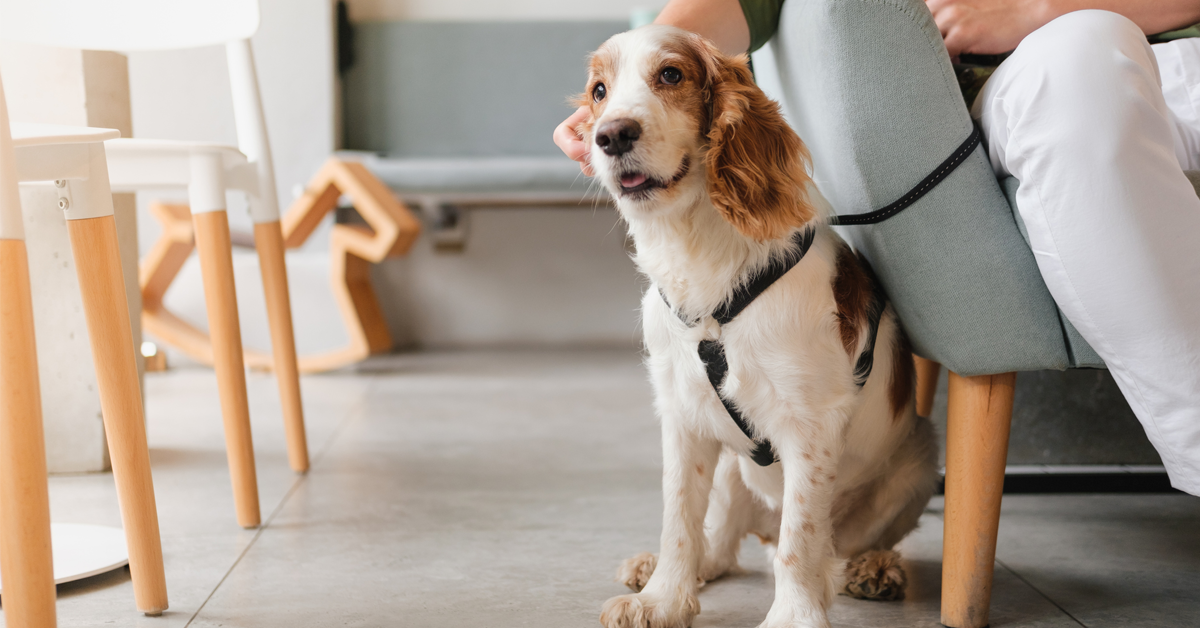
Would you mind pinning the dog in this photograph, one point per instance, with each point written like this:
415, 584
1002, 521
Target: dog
715, 188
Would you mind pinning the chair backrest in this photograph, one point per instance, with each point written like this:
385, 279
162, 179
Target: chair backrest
128, 24
137, 25
869, 86
11, 226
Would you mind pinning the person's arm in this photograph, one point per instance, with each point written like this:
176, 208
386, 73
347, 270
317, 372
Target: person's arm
721, 21
995, 26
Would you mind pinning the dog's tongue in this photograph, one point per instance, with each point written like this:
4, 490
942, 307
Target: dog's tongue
632, 180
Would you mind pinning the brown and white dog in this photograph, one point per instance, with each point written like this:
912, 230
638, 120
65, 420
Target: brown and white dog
713, 184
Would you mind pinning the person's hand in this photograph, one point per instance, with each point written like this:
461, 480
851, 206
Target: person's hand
568, 139
987, 26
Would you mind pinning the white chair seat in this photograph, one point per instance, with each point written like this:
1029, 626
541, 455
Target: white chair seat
138, 164
36, 134
46, 152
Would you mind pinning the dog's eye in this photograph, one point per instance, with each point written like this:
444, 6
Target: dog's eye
599, 92
671, 76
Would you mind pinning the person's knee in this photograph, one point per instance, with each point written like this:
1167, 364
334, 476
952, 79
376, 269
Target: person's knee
1075, 63
1089, 43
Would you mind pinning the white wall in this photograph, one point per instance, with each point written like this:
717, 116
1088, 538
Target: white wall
485, 10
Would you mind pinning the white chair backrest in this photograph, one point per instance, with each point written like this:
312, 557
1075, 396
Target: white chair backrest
135, 25
11, 226
128, 24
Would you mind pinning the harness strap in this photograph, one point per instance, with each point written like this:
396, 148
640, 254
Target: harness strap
866, 359
712, 352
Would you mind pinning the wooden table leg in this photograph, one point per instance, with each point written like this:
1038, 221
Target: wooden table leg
25, 558
216, 267
98, 263
977, 426
927, 381
268, 239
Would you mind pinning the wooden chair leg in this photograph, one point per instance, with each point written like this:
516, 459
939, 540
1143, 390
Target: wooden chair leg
978, 420
268, 239
97, 258
927, 380
26, 563
216, 267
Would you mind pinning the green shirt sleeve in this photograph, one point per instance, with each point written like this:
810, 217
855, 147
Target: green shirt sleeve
762, 16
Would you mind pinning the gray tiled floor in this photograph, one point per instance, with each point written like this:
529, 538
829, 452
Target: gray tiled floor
502, 489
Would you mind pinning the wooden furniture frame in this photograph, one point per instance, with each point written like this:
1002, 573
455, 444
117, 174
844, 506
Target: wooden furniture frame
978, 418
74, 159
390, 232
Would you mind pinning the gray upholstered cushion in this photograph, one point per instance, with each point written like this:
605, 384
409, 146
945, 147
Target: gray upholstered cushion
869, 86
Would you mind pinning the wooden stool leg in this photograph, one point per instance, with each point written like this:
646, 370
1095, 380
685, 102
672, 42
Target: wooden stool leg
25, 559
977, 425
268, 239
98, 263
216, 267
927, 380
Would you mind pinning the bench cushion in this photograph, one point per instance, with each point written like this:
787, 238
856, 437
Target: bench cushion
474, 174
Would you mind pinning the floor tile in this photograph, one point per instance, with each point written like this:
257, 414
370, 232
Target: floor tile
503, 488
1109, 560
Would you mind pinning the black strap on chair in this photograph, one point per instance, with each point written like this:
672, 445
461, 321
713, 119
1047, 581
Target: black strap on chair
955, 159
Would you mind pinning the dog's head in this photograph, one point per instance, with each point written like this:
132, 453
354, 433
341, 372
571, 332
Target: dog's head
671, 117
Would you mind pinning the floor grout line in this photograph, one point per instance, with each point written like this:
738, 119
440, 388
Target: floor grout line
337, 431
1040, 592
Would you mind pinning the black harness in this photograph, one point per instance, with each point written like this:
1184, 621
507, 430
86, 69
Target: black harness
712, 352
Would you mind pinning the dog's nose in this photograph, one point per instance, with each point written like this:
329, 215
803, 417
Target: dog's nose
616, 137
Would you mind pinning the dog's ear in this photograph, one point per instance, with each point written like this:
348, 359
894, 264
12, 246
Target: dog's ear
756, 166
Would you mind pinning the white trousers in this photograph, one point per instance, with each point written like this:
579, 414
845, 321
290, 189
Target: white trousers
1098, 126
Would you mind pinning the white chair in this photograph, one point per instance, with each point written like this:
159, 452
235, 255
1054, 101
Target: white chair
72, 157
207, 171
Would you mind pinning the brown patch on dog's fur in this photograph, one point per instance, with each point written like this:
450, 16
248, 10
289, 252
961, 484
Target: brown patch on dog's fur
876, 575
902, 385
852, 291
756, 165
691, 94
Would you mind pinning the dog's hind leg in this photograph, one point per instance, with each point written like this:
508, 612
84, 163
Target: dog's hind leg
871, 520
876, 573
733, 512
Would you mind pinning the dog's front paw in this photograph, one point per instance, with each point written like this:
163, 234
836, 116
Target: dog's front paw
785, 615
648, 611
635, 572
795, 623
